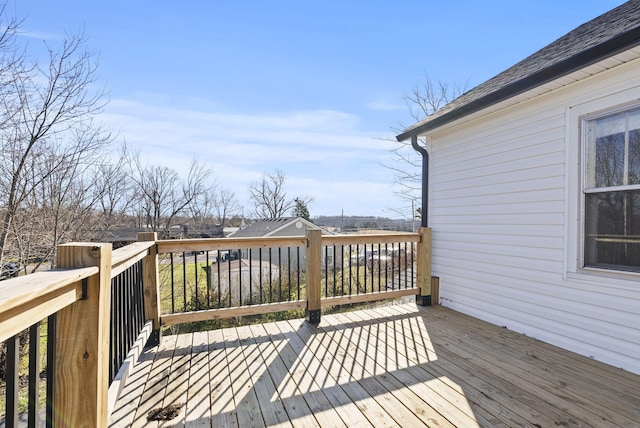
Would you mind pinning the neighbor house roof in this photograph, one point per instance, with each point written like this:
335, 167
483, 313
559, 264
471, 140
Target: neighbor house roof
598, 39
270, 226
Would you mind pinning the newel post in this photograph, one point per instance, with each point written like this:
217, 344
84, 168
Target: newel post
314, 270
423, 277
151, 284
81, 372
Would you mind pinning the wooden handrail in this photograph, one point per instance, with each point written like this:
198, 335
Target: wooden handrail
329, 240
129, 255
213, 244
36, 296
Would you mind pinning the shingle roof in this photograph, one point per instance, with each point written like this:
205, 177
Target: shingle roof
264, 227
600, 38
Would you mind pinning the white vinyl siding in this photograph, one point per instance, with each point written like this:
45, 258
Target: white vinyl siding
504, 200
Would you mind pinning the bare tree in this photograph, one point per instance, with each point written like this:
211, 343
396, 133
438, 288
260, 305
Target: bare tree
47, 105
201, 212
114, 193
163, 195
270, 198
424, 99
225, 205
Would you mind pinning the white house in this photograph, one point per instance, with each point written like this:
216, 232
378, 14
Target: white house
532, 190
282, 226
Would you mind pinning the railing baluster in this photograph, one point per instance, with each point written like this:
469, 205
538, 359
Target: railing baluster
184, 282
378, 262
260, 281
342, 268
127, 278
270, 275
34, 375
12, 380
208, 280
239, 260
250, 261
140, 297
358, 269
404, 258
413, 248
113, 345
280, 274
195, 271
334, 271
326, 272
51, 360
298, 268
365, 267
219, 281
289, 271
229, 277
389, 270
173, 282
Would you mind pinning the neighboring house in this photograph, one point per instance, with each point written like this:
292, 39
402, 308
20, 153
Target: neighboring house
284, 226
247, 271
534, 193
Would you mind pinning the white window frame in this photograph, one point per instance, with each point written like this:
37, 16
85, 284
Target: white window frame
576, 116
585, 188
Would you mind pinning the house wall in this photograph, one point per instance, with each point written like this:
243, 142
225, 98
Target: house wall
246, 283
504, 204
295, 258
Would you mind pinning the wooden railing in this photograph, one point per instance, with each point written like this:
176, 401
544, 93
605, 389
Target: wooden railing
209, 279
86, 344
101, 307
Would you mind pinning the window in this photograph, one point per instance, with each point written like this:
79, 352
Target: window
611, 189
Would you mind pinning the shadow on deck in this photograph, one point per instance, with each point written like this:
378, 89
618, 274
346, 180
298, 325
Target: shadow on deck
391, 366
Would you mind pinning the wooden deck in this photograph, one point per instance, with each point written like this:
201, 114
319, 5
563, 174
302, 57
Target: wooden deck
399, 366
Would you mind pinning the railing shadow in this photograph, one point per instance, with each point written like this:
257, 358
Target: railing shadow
347, 372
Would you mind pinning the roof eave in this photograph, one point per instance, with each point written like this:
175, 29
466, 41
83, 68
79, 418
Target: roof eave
578, 61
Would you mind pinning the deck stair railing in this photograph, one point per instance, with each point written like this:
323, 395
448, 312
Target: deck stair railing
87, 320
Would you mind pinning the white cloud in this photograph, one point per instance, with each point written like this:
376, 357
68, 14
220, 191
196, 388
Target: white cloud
323, 153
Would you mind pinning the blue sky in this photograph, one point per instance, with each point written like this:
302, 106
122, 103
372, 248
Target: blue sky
311, 88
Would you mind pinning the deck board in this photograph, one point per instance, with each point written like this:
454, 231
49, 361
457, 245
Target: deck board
395, 366
198, 405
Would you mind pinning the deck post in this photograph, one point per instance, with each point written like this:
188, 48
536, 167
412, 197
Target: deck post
423, 276
313, 273
81, 369
151, 286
